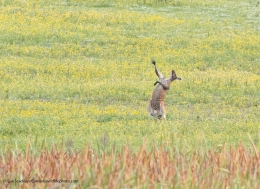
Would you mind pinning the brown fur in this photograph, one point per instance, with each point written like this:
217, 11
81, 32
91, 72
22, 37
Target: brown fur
156, 106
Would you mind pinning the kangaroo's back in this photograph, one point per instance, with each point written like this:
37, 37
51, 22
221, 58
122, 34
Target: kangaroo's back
158, 96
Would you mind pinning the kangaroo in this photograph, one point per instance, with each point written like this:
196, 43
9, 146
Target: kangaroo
156, 106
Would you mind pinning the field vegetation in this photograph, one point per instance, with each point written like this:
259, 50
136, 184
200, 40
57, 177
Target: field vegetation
79, 72
161, 167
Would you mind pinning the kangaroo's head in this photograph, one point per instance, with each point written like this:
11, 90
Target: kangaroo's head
174, 76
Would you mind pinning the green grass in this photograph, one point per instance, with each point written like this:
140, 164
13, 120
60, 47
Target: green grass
76, 70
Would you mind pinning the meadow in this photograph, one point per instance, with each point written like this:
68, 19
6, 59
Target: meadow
79, 72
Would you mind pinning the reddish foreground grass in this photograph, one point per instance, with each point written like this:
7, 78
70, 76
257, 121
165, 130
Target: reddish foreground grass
155, 168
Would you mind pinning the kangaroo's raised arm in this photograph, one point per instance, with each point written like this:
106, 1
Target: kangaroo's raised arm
165, 87
156, 106
156, 70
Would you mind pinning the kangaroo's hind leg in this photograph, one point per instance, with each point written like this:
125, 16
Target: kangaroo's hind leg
163, 110
149, 109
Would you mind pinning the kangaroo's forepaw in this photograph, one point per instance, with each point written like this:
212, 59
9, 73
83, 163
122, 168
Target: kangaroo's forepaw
153, 62
156, 83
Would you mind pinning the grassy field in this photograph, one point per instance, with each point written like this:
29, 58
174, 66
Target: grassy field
77, 72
